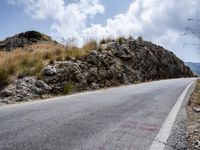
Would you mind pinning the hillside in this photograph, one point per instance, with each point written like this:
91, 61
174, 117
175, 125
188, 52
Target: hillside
24, 39
195, 67
64, 70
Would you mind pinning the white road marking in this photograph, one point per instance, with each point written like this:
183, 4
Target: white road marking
165, 130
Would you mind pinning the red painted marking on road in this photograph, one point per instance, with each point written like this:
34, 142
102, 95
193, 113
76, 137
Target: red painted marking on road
148, 129
150, 125
129, 126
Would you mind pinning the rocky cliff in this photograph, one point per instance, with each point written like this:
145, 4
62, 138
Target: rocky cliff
114, 63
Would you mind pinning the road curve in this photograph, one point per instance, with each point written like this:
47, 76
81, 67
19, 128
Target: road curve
123, 118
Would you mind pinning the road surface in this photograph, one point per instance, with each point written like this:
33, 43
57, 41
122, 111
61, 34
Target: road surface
124, 118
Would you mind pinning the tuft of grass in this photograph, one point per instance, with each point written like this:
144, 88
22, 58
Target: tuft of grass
121, 40
46, 96
58, 52
140, 38
74, 52
103, 41
4, 77
51, 62
106, 41
92, 45
69, 87
47, 55
26, 70
59, 58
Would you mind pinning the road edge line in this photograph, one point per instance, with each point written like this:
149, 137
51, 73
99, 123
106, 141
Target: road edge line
161, 138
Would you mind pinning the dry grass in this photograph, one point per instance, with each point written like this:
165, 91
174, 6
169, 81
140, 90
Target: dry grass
30, 60
196, 94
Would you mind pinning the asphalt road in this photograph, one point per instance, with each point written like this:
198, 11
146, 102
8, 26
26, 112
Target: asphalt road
124, 118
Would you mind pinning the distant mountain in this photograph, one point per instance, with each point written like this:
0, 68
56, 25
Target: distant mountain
195, 67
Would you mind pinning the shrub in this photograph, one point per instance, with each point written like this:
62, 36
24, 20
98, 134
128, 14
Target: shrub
4, 77
39, 76
30, 71
121, 40
103, 41
33, 34
68, 88
51, 62
37, 68
58, 52
92, 45
67, 58
47, 55
29, 62
140, 38
59, 58
24, 71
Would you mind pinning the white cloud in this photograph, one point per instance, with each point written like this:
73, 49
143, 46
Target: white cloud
159, 21
69, 19
156, 20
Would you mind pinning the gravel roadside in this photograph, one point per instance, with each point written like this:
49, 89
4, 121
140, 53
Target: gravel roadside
193, 120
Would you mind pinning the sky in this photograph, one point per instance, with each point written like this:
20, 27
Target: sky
160, 21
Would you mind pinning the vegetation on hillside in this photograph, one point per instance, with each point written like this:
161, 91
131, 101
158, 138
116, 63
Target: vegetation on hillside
31, 34
30, 60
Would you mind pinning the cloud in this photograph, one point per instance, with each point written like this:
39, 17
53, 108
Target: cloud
160, 21
156, 20
68, 19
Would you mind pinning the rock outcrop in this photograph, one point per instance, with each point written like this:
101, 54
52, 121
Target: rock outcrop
24, 39
117, 63
24, 89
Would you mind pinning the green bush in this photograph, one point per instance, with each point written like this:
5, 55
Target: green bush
33, 34
103, 41
121, 40
51, 62
140, 38
4, 77
68, 88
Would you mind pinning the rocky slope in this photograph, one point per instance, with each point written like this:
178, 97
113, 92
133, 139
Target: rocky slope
115, 63
24, 39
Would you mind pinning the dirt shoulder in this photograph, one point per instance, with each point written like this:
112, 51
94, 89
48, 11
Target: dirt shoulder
193, 120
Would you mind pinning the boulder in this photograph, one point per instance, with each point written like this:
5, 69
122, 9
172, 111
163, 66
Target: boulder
49, 71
